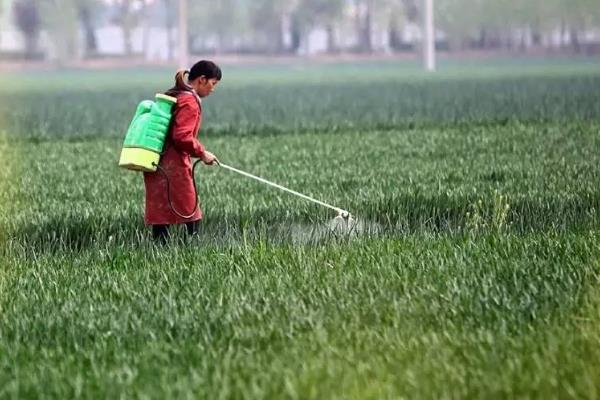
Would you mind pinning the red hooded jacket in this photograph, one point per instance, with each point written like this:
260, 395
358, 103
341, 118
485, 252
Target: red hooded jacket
180, 146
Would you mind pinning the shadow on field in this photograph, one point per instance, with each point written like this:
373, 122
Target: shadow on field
392, 217
77, 233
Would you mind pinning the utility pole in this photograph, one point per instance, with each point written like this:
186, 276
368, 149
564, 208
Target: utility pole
183, 34
428, 36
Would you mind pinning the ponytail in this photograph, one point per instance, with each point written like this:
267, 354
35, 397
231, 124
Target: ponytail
180, 83
180, 79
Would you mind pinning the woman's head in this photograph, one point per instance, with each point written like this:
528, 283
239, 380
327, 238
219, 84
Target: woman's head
202, 78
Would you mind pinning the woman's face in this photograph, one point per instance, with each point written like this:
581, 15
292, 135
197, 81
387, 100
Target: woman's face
203, 86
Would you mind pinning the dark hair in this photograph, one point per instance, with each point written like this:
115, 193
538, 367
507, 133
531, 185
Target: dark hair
207, 68
202, 68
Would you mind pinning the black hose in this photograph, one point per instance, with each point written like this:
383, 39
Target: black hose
162, 171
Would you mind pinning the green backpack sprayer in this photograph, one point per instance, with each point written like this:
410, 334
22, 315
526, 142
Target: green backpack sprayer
146, 135
145, 140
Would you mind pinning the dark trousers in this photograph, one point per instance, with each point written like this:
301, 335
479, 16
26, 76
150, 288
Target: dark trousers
160, 233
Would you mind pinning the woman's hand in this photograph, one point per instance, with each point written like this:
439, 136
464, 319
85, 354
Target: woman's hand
209, 158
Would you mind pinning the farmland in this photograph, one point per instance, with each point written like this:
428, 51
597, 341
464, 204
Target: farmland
476, 271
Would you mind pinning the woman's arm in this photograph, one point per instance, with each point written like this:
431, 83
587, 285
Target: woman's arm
185, 117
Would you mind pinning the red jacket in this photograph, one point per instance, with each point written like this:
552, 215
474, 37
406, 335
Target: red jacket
181, 144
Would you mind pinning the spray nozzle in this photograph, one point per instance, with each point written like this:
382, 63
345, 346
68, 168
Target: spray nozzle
344, 214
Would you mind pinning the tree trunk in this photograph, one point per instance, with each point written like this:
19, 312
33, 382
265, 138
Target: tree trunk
170, 43
358, 22
296, 35
169, 23
482, 43
394, 35
563, 33
126, 26
363, 25
523, 41
575, 41
127, 39
331, 40
510, 45
279, 42
31, 41
366, 42
91, 44
27, 19
536, 35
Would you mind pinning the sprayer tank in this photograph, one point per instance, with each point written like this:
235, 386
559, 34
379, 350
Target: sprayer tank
146, 135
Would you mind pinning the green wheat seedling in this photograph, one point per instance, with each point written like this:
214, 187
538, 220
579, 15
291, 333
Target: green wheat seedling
474, 274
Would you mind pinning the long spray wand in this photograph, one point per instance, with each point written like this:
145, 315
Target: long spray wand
341, 212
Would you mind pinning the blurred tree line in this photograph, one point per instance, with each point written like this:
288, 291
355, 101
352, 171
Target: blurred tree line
516, 24
281, 26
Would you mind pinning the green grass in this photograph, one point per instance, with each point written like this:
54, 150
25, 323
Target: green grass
356, 104
298, 72
428, 317
399, 182
477, 274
